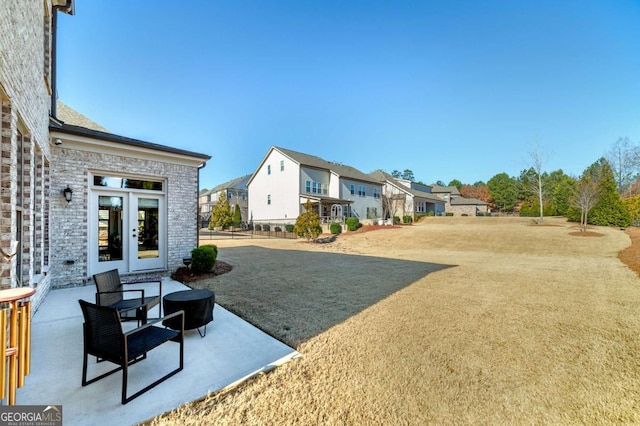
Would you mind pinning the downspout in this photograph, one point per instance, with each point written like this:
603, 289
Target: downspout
67, 7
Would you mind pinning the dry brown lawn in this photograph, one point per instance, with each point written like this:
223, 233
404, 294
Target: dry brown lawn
451, 320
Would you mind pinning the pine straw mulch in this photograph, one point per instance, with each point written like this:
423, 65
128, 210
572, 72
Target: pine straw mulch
631, 255
186, 276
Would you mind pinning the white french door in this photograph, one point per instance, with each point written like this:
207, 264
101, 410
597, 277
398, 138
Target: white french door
127, 231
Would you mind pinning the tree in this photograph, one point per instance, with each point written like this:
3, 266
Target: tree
308, 223
456, 183
504, 191
408, 175
536, 186
608, 210
221, 215
440, 183
624, 160
561, 189
237, 215
392, 202
480, 192
396, 174
586, 196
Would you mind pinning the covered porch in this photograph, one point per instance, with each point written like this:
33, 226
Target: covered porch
232, 351
328, 209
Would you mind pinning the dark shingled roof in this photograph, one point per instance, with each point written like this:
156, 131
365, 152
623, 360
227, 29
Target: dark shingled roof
462, 201
384, 176
317, 162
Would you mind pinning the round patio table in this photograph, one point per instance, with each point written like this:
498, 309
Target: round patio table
197, 306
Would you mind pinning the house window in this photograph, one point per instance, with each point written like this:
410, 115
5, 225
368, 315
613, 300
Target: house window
352, 189
229, 195
269, 199
372, 213
269, 169
307, 187
316, 188
376, 192
361, 191
244, 196
281, 165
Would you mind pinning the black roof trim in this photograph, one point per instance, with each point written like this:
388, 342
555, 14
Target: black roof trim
58, 126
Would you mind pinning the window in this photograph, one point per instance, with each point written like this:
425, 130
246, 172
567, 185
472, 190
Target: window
122, 182
376, 192
361, 191
372, 213
269, 199
352, 189
269, 169
229, 195
307, 187
316, 188
244, 196
281, 165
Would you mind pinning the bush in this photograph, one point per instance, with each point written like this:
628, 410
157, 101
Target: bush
407, 219
464, 214
396, 220
203, 259
288, 228
258, 227
277, 229
353, 223
266, 228
449, 214
335, 228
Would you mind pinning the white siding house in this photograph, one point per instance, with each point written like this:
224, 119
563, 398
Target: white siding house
285, 180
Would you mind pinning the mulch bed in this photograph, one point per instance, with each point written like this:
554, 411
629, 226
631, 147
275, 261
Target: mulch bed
184, 274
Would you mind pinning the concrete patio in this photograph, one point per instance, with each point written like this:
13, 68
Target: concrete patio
232, 351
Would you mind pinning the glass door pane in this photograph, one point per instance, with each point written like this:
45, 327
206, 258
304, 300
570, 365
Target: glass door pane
110, 228
148, 211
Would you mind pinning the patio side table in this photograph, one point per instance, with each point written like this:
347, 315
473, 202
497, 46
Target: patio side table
197, 306
19, 349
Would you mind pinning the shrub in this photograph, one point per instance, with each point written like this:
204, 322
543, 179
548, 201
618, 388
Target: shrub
396, 220
258, 227
277, 229
203, 258
288, 228
353, 223
308, 223
266, 227
335, 228
464, 214
407, 219
449, 214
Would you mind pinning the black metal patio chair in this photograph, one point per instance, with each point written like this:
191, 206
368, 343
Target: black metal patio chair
104, 338
111, 292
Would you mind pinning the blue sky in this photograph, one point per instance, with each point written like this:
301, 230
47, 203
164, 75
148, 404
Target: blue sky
449, 89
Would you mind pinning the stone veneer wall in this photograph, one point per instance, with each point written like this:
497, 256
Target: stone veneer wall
25, 97
69, 233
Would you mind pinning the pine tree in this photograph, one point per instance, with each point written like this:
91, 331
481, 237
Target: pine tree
237, 216
221, 216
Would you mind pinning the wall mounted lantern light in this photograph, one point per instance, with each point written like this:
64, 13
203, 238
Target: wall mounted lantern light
68, 193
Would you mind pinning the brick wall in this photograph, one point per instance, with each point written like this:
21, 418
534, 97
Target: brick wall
69, 221
25, 97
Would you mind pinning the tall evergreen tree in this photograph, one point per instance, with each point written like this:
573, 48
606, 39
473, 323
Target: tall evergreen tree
610, 210
504, 191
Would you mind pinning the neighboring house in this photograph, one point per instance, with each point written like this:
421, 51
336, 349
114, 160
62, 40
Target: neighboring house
399, 198
133, 204
286, 179
458, 205
235, 191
